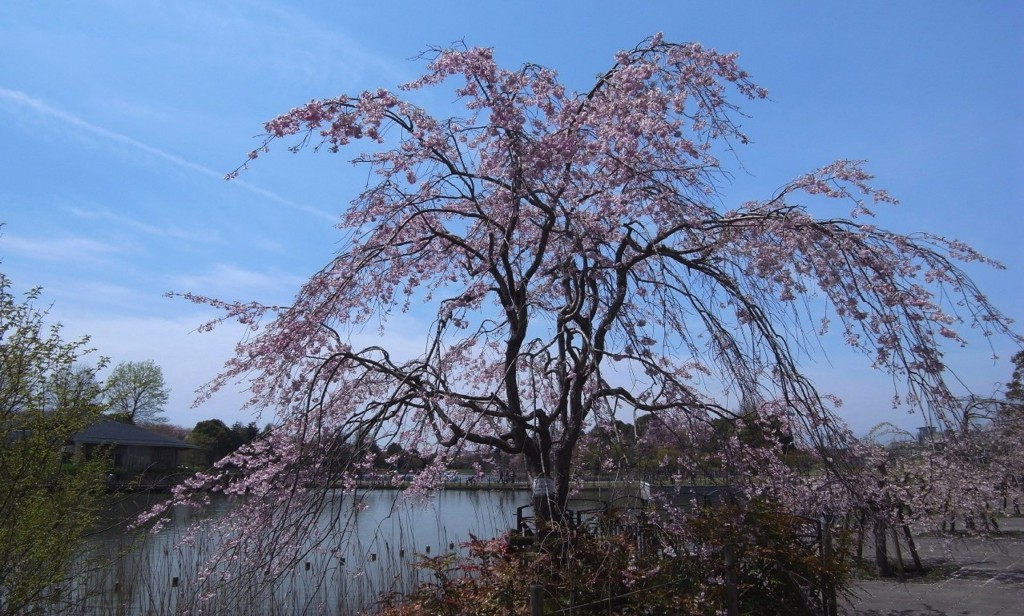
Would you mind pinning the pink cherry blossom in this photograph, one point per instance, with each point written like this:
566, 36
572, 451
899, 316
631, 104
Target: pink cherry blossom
546, 232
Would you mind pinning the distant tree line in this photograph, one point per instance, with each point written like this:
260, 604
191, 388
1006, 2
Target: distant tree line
215, 440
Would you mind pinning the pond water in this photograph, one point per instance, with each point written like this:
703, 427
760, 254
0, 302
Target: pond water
386, 536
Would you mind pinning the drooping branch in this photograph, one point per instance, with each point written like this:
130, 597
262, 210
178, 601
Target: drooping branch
573, 258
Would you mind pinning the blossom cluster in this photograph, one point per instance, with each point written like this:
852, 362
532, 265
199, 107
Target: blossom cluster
578, 261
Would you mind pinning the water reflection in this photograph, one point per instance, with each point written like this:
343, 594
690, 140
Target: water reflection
378, 537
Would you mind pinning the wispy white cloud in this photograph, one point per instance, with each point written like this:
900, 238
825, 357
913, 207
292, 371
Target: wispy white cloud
188, 359
57, 249
270, 245
107, 215
227, 280
106, 296
327, 55
24, 101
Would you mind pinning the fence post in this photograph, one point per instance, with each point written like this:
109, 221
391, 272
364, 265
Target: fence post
536, 600
829, 590
731, 598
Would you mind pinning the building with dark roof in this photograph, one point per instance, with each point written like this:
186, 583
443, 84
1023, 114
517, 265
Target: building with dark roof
134, 450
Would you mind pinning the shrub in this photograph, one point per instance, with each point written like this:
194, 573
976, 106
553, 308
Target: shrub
640, 567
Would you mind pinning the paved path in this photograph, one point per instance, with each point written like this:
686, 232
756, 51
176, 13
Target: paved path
986, 578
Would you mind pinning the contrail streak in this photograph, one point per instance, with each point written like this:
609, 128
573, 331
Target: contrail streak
23, 100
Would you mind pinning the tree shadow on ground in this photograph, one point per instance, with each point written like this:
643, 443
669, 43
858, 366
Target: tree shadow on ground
1004, 576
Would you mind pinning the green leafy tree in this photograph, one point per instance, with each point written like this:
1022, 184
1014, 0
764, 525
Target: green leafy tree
396, 457
136, 392
49, 497
610, 449
214, 440
1011, 414
245, 433
1015, 388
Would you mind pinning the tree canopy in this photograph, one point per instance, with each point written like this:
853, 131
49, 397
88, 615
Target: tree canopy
216, 440
579, 260
48, 498
1015, 388
136, 392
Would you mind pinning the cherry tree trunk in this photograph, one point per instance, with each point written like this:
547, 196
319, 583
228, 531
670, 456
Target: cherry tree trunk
881, 550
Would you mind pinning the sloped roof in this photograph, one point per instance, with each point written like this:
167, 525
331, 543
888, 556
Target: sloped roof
117, 433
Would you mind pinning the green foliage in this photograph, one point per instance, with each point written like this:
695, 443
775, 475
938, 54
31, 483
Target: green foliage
1015, 388
396, 457
136, 392
778, 562
215, 440
615, 443
1011, 414
640, 569
48, 497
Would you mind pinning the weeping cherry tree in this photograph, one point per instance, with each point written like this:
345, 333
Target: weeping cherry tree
577, 260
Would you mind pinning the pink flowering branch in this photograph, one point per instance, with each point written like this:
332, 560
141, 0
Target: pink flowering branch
575, 257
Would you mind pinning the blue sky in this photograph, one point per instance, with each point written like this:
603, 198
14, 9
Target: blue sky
118, 120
